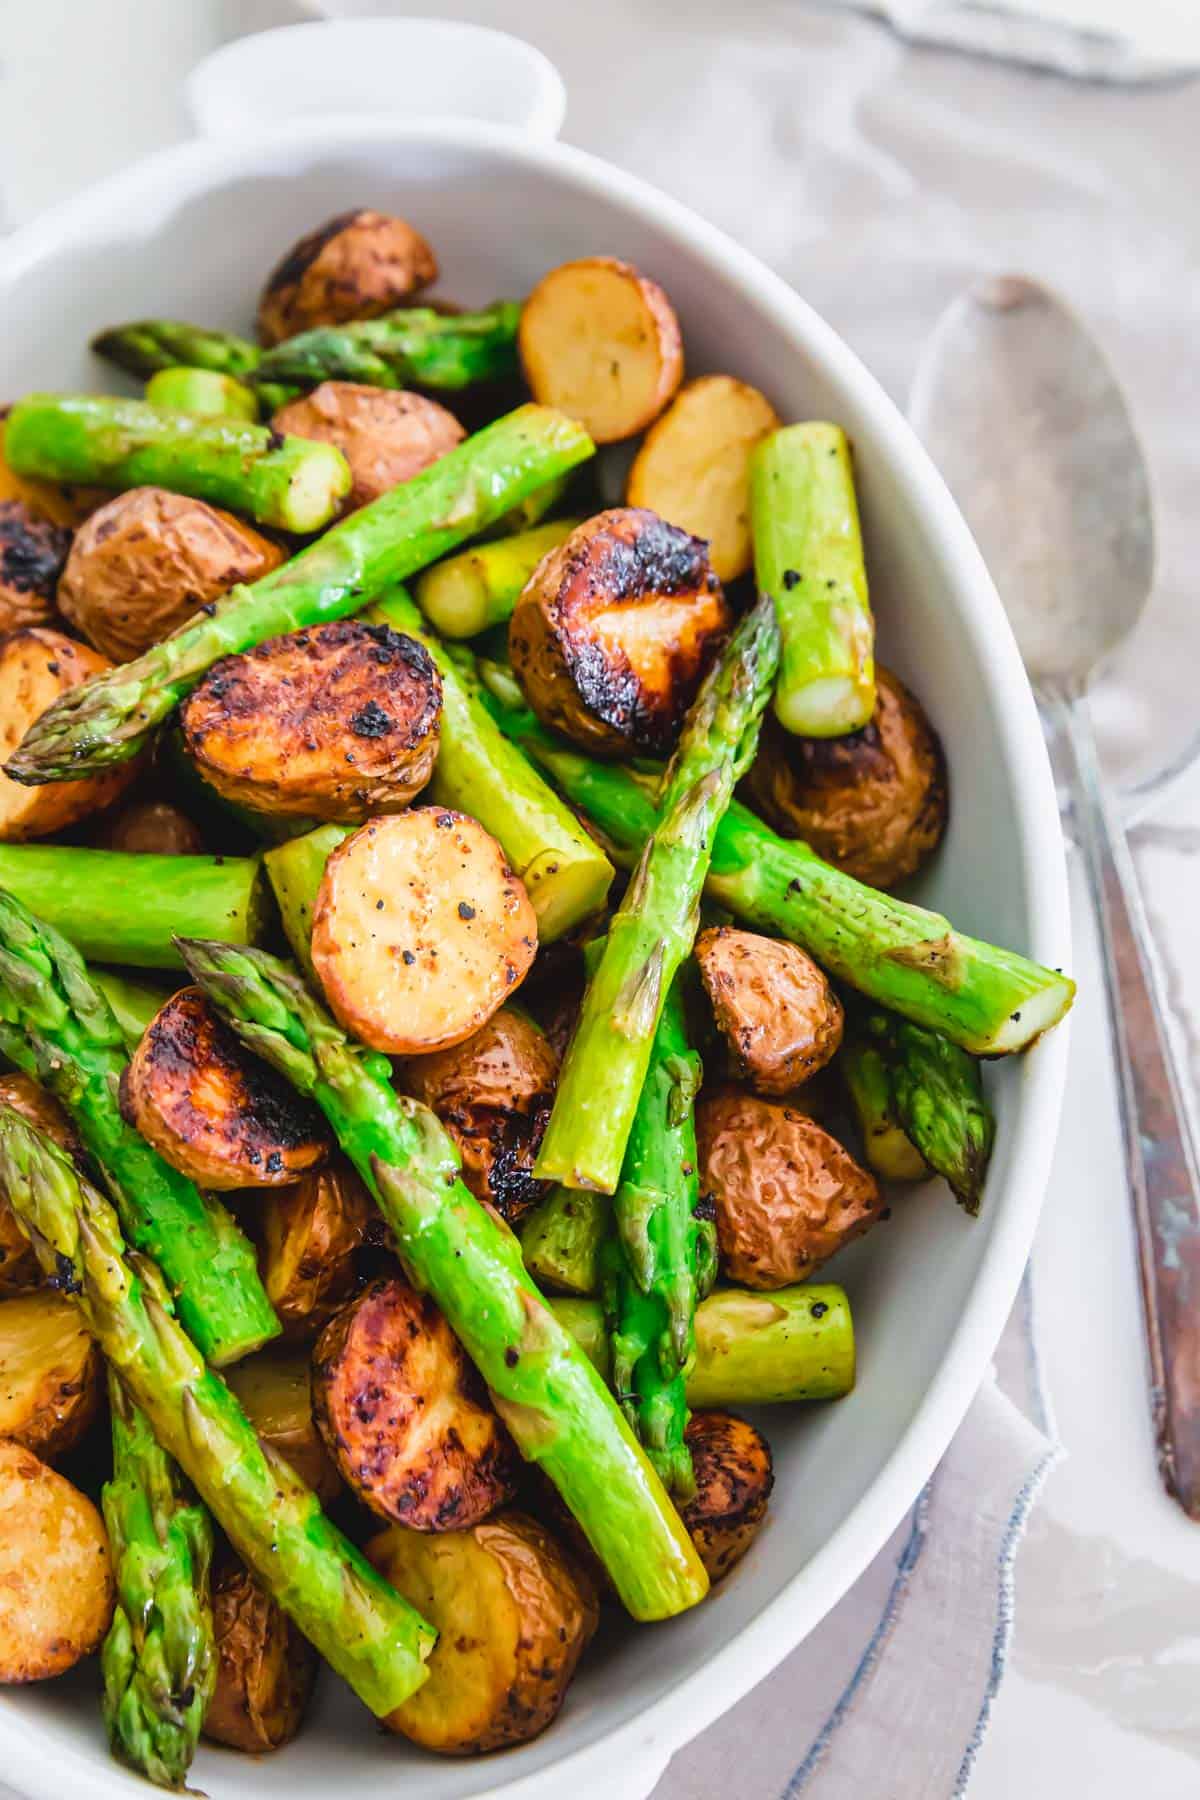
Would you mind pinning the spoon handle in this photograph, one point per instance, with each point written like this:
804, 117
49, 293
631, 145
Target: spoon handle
1160, 1153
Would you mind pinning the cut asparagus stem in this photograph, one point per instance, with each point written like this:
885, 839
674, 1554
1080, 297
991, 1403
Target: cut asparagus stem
808, 556
108, 719
159, 1658
59, 1027
202, 391
147, 345
412, 347
371, 1636
886, 1145
989, 1001
559, 1412
561, 1239
134, 1004
295, 870
478, 588
937, 1090
655, 925
122, 906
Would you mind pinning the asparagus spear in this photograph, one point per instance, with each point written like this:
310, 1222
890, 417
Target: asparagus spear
147, 345
59, 1027
372, 1637
886, 1145
654, 927
751, 1349
937, 1091
159, 1658
121, 906
555, 1405
412, 347
989, 1001
808, 556
295, 870
561, 1239
479, 587
202, 391
134, 1004
108, 719
292, 483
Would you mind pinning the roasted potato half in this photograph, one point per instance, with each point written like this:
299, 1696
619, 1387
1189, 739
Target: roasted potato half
335, 723
265, 1666
614, 629
56, 1584
275, 1389
493, 1094
355, 266
734, 1478
36, 666
694, 466
404, 1415
51, 1374
601, 341
874, 803
421, 931
786, 1194
513, 1618
57, 501
155, 827
20, 1271
308, 1233
780, 1019
32, 553
148, 560
215, 1112
385, 437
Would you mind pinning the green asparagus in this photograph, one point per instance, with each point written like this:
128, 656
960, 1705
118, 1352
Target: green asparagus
480, 587
202, 391
561, 1239
291, 483
295, 870
558, 1410
887, 1147
108, 719
937, 1091
414, 347
134, 1003
369, 1634
57, 1025
808, 556
159, 1659
655, 925
147, 345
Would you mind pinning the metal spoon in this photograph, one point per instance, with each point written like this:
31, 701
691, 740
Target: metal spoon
1023, 416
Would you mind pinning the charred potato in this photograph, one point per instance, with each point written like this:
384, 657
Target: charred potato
873, 803
309, 1232
421, 931
614, 629
215, 1112
335, 723
275, 1389
155, 827
601, 342
786, 1194
404, 1415
513, 1618
492, 1093
776, 1012
32, 553
265, 1666
51, 1374
148, 560
57, 501
734, 1478
355, 266
19, 1268
56, 1584
385, 437
37, 666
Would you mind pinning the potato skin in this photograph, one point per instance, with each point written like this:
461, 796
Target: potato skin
148, 560
309, 1232
786, 1193
51, 1374
773, 1006
404, 1415
874, 803
614, 630
56, 1584
33, 551
37, 665
155, 827
514, 1617
355, 266
337, 723
20, 1271
734, 1478
265, 1666
211, 1109
386, 437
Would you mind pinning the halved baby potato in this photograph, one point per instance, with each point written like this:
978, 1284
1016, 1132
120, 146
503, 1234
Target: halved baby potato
600, 341
421, 930
386, 437
734, 1477
153, 827
404, 1415
265, 1665
56, 1583
334, 723
308, 1233
148, 560
773, 1006
275, 1389
614, 629
38, 665
51, 1374
694, 466
20, 1271
513, 1618
357, 265
213, 1111
32, 553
